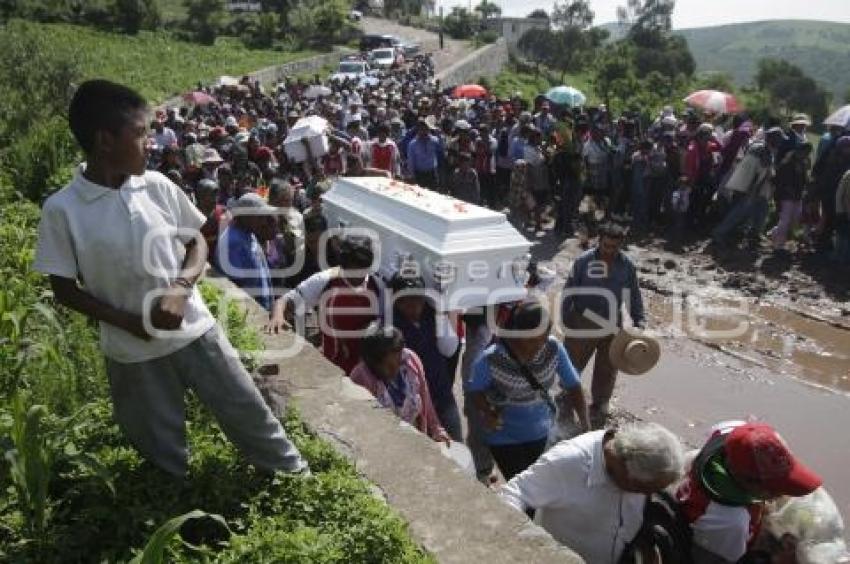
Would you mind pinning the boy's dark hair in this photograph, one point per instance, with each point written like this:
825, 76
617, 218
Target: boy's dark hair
378, 341
528, 315
100, 105
612, 231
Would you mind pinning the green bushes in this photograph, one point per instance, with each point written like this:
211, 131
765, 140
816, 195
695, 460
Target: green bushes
76, 491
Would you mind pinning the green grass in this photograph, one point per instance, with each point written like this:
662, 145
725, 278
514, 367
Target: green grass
92, 498
154, 63
530, 84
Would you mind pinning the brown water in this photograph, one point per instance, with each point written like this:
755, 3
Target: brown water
777, 338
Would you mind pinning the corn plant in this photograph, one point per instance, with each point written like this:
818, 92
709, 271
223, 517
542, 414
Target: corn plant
31, 463
154, 551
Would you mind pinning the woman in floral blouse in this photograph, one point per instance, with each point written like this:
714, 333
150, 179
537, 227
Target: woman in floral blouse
394, 375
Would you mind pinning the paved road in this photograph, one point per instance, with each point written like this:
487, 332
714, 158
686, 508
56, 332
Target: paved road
453, 51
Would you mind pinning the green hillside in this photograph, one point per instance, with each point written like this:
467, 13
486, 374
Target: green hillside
821, 49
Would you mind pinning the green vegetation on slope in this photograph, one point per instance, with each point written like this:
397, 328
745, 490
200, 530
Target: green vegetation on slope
821, 49
152, 62
75, 491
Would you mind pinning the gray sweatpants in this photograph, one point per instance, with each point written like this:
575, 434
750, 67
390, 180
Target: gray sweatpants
148, 404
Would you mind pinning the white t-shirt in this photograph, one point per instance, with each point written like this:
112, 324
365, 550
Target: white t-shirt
576, 501
101, 237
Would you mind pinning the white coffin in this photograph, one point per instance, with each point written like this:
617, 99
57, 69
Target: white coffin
470, 255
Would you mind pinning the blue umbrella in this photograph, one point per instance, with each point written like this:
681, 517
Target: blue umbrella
566, 96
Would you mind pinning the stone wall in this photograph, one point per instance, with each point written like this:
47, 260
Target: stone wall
270, 76
450, 514
487, 61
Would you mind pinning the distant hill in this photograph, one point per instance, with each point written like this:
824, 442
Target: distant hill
821, 49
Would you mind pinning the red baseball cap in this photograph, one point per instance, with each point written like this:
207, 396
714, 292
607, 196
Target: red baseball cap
755, 452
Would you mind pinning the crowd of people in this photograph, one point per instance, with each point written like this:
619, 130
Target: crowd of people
259, 210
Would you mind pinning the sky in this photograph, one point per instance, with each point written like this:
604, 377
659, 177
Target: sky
696, 13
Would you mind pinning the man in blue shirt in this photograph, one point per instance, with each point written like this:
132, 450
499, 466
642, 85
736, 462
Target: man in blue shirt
423, 156
240, 252
600, 281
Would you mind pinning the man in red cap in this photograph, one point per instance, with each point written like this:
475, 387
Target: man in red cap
742, 466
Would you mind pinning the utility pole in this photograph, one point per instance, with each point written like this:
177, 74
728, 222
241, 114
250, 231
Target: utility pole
441, 27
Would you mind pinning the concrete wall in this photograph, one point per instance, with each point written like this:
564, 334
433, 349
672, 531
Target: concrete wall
450, 514
487, 61
270, 76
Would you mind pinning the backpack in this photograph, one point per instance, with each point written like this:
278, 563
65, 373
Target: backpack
664, 529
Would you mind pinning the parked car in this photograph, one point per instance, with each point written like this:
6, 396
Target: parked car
371, 41
357, 70
385, 58
355, 15
350, 70
410, 49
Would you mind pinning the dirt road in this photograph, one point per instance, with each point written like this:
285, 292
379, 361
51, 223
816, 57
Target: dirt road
452, 52
733, 353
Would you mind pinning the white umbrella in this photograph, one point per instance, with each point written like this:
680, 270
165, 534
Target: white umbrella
310, 126
317, 90
840, 118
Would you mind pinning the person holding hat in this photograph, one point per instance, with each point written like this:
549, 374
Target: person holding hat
799, 124
598, 283
752, 184
740, 468
510, 387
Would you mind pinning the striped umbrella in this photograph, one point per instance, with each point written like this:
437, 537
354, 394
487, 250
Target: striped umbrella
714, 101
566, 96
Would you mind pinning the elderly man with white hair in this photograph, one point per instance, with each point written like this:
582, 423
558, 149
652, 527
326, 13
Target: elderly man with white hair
590, 492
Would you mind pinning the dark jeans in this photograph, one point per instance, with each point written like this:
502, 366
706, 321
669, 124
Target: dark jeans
513, 459
502, 185
426, 179
571, 196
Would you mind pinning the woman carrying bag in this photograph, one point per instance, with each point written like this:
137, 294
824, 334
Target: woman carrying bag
510, 386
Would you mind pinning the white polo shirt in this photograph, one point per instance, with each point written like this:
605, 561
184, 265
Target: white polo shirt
122, 246
576, 501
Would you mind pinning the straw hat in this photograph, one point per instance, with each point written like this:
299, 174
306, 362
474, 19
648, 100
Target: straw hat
633, 352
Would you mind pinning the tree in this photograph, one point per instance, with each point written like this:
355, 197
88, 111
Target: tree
459, 24
572, 14
204, 19
791, 90
539, 13
488, 9
132, 15
649, 15
614, 72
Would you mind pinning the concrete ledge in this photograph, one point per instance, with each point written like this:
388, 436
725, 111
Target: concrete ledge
269, 76
450, 514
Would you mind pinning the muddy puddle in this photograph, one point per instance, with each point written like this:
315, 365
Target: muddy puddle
766, 334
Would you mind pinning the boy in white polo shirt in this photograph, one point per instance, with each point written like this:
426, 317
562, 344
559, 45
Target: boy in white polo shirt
119, 245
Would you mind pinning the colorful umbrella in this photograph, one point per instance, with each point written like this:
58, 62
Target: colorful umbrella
470, 91
714, 101
566, 96
840, 118
198, 98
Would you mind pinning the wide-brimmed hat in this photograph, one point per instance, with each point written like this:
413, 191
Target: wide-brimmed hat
633, 352
801, 119
211, 156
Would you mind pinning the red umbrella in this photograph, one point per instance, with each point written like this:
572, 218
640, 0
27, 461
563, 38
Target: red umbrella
198, 98
714, 101
470, 91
